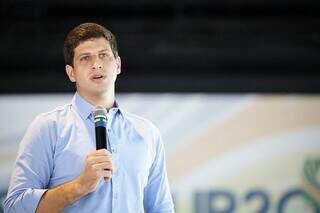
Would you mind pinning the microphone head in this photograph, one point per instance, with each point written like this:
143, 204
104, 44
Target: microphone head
100, 116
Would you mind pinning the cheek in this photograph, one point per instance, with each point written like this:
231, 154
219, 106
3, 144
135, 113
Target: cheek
110, 67
82, 72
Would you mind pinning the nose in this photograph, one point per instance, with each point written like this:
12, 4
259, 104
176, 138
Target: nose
97, 64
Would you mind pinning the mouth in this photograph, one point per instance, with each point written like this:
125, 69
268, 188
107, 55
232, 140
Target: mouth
97, 77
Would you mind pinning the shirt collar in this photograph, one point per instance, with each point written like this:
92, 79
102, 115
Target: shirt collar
85, 109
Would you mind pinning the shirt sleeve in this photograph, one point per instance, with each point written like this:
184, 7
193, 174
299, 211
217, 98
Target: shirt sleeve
32, 169
157, 196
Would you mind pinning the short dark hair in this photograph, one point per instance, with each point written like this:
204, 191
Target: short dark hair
85, 32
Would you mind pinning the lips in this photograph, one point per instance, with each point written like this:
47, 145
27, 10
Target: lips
97, 76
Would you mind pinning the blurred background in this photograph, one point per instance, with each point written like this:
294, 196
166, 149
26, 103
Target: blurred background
233, 85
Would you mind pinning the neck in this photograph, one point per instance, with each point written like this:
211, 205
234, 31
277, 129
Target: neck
105, 100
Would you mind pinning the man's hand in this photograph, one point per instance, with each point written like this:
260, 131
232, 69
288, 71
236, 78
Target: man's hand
98, 165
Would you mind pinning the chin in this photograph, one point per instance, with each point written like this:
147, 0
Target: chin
99, 92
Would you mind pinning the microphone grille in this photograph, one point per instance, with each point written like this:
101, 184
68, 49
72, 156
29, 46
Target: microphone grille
99, 111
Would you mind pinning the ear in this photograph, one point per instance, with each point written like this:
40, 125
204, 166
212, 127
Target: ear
70, 73
118, 62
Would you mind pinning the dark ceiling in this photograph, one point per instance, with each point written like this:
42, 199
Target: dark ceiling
176, 46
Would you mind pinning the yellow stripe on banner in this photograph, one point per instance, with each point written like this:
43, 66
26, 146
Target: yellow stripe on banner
268, 115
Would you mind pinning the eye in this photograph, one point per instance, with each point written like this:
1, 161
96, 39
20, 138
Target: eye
84, 58
103, 55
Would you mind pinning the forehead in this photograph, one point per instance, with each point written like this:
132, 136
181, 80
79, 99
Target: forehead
92, 46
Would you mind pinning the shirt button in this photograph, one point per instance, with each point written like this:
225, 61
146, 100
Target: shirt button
115, 196
114, 150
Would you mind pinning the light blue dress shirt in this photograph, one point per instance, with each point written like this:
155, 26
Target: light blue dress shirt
54, 148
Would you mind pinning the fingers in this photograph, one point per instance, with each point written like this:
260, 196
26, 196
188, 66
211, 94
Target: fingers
99, 163
100, 152
104, 166
103, 152
98, 159
106, 174
98, 156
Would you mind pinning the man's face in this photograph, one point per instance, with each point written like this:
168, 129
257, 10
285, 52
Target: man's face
95, 68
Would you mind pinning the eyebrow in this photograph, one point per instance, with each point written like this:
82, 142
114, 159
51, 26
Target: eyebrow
100, 51
105, 50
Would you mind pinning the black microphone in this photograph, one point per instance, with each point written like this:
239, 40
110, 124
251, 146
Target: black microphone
100, 122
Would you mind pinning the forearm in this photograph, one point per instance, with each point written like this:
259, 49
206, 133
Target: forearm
58, 198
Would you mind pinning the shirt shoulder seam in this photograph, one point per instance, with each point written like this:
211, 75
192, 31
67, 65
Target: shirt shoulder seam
57, 109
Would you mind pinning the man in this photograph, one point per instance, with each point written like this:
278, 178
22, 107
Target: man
58, 168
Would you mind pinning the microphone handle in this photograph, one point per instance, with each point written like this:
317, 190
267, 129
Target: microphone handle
101, 138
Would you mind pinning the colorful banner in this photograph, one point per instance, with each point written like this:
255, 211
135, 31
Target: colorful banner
225, 153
